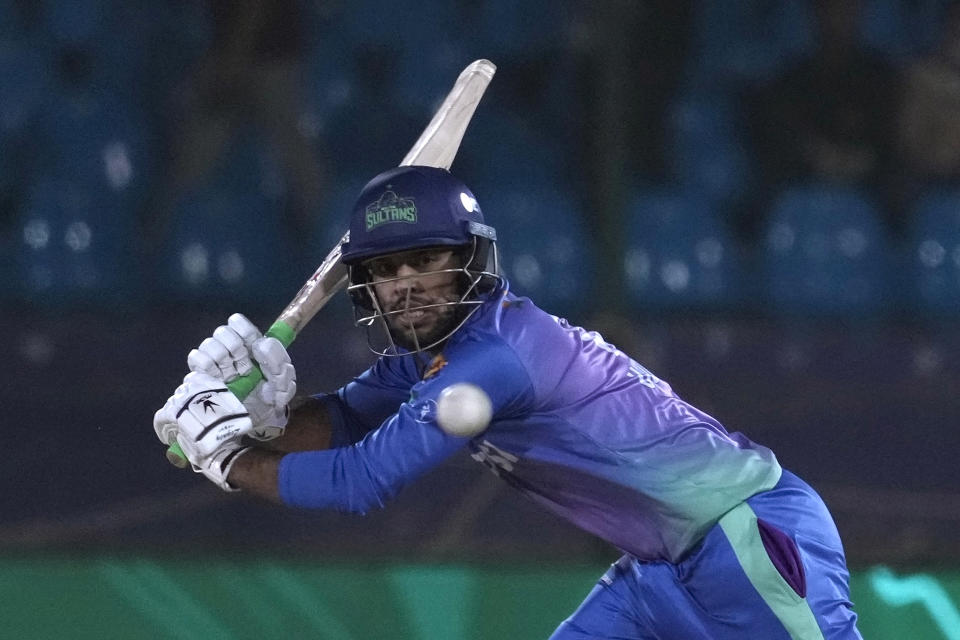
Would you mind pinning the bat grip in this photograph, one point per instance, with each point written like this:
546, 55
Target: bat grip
241, 387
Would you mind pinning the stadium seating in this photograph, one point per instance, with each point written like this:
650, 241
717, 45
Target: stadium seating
934, 253
329, 83
76, 21
224, 245
901, 28
545, 248
708, 155
333, 218
825, 252
500, 150
75, 246
743, 42
12, 22
228, 239
678, 253
10, 286
96, 136
425, 77
24, 80
524, 29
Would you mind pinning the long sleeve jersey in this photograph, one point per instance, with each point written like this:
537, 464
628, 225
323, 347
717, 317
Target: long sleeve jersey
578, 426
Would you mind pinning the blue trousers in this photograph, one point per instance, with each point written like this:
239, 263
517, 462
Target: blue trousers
772, 568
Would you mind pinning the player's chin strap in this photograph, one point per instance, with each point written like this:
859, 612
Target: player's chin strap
479, 281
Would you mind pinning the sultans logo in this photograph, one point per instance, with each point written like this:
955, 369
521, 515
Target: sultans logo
390, 208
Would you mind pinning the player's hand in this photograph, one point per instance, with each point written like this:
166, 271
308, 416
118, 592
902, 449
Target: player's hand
230, 353
204, 418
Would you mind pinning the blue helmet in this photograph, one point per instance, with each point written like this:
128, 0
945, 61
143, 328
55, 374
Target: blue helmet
411, 208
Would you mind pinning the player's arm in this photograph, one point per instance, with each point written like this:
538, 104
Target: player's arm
367, 474
359, 476
350, 478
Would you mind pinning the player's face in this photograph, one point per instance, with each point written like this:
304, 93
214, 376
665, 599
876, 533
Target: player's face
416, 293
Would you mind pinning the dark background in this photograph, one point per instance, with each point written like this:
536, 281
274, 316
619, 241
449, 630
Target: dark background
758, 200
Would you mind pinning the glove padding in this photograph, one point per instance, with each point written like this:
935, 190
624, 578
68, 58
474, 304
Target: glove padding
205, 417
230, 353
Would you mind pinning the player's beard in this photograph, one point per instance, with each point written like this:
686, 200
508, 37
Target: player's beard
434, 325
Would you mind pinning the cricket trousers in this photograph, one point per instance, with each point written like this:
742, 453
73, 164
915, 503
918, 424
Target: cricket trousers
772, 568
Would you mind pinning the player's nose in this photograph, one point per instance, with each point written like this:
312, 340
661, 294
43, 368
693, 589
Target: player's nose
408, 279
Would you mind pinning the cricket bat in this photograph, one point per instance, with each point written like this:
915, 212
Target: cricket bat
437, 146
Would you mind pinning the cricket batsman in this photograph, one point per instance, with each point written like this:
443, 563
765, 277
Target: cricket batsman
719, 541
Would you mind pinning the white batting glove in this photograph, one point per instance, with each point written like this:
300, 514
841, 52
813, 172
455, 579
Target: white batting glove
230, 353
205, 416
207, 421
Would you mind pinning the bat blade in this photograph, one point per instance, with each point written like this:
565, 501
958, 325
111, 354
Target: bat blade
437, 146
440, 141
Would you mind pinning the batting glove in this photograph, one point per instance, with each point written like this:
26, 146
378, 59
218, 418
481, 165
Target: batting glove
231, 352
203, 416
207, 421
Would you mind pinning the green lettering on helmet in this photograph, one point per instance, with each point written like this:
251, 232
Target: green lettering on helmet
390, 208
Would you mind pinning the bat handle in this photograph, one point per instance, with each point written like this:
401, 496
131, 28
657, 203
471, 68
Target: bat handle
241, 387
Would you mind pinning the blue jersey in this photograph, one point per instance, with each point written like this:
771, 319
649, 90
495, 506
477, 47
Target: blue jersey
578, 426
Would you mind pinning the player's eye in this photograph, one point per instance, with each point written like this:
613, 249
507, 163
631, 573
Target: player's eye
382, 269
426, 259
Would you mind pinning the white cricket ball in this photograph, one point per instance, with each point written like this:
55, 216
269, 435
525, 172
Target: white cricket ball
463, 410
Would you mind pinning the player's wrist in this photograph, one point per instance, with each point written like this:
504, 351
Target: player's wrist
217, 467
255, 471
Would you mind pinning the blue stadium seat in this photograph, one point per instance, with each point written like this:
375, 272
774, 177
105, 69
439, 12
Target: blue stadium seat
500, 150
390, 23
425, 77
744, 42
934, 253
329, 83
509, 28
902, 28
12, 19
76, 247
25, 77
98, 138
224, 246
333, 219
826, 253
708, 155
10, 284
12, 169
545, 249
229, 238
75, 21
678, 253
